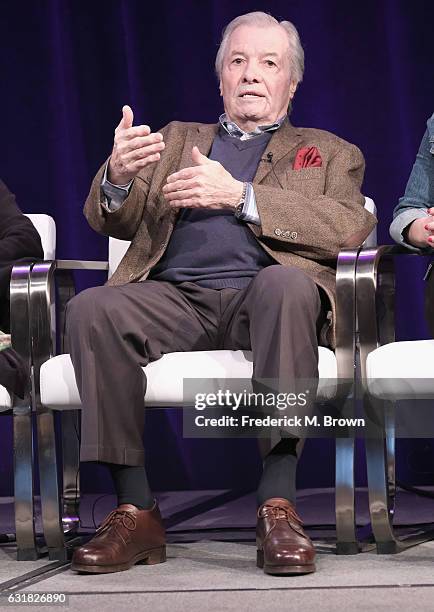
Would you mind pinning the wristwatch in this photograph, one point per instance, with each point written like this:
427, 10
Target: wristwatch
240, 206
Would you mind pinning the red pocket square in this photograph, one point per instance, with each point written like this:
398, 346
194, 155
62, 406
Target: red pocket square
307, 157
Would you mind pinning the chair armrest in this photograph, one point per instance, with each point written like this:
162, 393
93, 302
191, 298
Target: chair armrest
44, 278
77, 264
375, 296
42, 306
346, 312
19, 311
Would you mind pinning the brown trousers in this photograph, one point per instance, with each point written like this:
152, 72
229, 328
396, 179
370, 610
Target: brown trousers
113, 331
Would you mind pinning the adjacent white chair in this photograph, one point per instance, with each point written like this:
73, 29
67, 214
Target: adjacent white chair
56, 390
22, 408
46, 229
390, 371
5, 399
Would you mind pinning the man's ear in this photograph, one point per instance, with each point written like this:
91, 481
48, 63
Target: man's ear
220, 88
292, 89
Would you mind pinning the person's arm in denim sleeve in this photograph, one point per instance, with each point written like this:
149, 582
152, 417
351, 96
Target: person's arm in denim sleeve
419, 193
399, 227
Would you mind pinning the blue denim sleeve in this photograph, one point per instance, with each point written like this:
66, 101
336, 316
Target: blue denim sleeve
419, 193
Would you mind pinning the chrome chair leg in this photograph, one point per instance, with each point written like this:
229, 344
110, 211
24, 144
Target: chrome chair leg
71, 463
22, 419
43, 323
378, 479
390, 454
23, 482
43, 328
346, 536
49, 486
346, 543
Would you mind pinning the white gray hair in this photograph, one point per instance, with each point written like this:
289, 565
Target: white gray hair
258, 18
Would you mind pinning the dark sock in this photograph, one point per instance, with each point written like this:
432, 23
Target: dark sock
131, 485
279, 472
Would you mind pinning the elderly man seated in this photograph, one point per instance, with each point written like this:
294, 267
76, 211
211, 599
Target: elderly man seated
235, 228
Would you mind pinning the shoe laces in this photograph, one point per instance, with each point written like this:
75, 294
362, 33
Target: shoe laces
286, 513
127, 519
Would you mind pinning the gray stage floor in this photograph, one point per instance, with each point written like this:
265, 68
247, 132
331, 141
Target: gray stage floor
211, 563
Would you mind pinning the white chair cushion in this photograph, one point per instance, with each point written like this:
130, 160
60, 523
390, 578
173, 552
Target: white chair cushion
117, 250
165, 376
371, 240
401, 370
5, 399
46, 229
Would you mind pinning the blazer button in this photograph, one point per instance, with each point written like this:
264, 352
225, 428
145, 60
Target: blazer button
293, 235
285, 234
278, 231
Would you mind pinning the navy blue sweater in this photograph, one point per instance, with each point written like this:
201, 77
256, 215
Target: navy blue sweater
212, 247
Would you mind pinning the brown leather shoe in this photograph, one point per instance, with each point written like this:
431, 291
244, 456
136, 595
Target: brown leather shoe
127, 536
283, 547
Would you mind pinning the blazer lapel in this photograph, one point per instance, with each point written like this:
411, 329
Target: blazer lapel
200, 135
283, 141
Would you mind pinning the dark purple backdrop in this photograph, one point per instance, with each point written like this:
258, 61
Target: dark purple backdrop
66, 69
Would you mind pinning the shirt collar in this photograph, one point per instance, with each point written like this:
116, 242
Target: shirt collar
233, 130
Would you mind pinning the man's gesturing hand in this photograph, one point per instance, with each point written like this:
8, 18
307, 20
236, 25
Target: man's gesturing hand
421, 231
133, 149
205, 185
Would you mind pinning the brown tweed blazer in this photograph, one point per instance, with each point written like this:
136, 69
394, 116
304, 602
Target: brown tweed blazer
306, 215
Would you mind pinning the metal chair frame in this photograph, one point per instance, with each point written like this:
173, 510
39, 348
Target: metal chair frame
375, 285
56, 520
28, 545
22, 421
25, 535
43, 278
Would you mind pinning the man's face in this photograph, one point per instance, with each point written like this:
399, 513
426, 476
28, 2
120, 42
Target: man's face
255, 81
